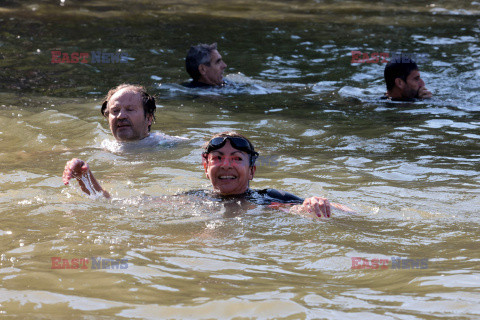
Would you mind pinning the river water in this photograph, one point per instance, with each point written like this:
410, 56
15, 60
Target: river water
410, 170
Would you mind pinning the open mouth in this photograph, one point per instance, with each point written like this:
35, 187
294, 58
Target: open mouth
227, 177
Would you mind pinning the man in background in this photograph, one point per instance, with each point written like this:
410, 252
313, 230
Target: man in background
403, 81
205, 65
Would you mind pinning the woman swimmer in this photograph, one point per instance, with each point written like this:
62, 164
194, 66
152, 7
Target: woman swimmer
229, 163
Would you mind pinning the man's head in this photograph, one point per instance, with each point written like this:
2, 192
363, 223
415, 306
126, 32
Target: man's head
403, 78
204, 64
229, 162
130, 111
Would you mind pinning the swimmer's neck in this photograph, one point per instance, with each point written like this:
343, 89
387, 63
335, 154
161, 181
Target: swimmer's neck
391, 95
134, 140
394, 94
219, 193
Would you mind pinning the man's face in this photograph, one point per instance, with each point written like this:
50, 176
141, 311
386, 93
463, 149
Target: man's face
126, 117
213, 74
229, 170
412, 85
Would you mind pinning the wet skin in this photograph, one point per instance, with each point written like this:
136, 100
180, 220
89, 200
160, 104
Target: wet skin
228, 170
213, 73
415, 87
126, 116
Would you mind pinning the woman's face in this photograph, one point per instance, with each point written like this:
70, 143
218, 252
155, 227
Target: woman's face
228, 169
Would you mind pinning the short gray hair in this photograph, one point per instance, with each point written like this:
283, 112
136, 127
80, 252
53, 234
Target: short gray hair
197, 55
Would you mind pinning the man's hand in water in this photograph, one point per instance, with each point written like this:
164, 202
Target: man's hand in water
75, 168
80, 170
423, 93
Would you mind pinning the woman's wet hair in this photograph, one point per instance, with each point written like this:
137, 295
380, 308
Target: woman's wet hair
399, 67
197, 55
148, 101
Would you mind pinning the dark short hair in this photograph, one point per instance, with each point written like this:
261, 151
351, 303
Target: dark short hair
233, 134
197, 55
148, 101
399, 67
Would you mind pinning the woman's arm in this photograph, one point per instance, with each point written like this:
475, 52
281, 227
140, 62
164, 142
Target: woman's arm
80, 170
313, 207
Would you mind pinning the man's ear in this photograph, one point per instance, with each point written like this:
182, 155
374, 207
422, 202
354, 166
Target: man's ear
399, 83
150, 119
202, 69
252, 172
105, 109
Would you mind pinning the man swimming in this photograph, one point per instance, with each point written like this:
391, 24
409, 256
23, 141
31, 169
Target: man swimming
205, 65
403, 80
130, 112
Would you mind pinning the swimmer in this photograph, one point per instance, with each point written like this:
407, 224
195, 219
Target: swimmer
130, 111
403, 80
229, 163
205, 65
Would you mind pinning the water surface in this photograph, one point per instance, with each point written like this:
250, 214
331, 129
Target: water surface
411, 171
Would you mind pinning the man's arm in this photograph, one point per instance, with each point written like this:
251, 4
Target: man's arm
80, 170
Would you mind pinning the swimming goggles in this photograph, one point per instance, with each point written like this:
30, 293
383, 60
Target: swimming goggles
236, 142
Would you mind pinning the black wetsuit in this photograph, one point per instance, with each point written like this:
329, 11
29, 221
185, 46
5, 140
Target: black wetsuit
238, 204
261, 197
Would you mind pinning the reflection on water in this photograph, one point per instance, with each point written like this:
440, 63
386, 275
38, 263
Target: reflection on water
411, 171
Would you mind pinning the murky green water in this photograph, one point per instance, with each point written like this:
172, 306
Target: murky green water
410, 170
